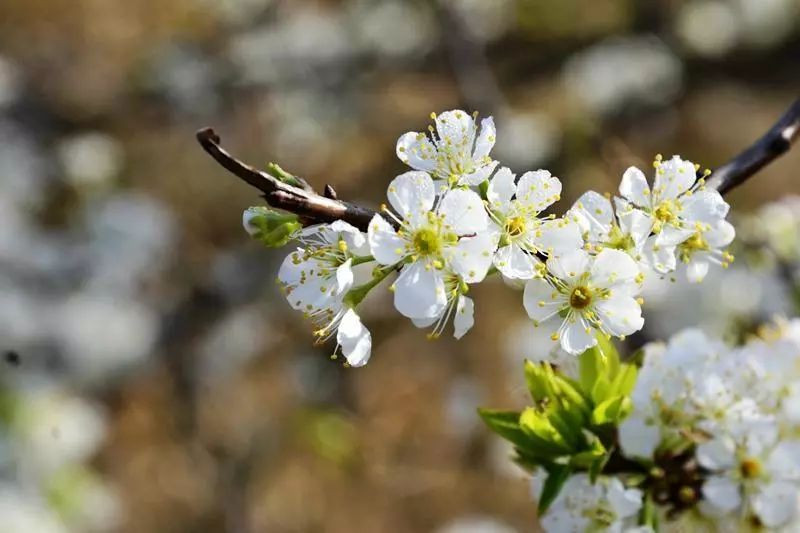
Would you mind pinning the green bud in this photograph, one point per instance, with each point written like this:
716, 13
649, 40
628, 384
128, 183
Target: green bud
273, 228
274, 170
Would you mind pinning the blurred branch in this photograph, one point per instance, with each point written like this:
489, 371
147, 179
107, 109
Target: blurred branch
302, 200
777, 141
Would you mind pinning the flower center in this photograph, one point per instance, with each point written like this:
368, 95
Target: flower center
619, 240
427, 242
666, 212
750, 468
695, 243
580, 297
515, 226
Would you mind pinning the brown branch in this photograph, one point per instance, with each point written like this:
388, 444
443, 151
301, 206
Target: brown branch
315, 208
777, 141
302, 201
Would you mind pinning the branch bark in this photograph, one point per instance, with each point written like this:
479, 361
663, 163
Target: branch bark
302, 201
777, 141
315, 208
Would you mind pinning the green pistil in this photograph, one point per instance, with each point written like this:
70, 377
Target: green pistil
619, 240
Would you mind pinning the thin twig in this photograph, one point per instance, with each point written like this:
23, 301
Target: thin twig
316, 208
773, 144
304, 202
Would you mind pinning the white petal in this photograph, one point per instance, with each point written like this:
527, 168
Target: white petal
620, 314
486, 139
593, 212
479, 175
412, 194
634, 187
386, 246
463, 212
416, 150
661, 258
558, 236
577, 337
776, 504
419, 291
697, 268
716, 454
464, 319
514, 263
344, 278
613, 268
720, 235
637, 224
705, 206
456, 127
673, 178
638, 438
355, 339
784, 461
471, 257
672, 236
570, 265
423, 323
538, 190
292, 267
351, 235
722, 493
541, 300
625, 502
501, 190
247, 220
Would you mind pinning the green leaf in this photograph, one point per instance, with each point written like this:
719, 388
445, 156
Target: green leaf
541, 430
274, 170
648, 516
505, 424
598, 465
600, 390
611, 354
608, 412
591, 365
625, 380
557, 475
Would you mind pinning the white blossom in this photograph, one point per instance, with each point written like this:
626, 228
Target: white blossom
454, 152
704, 248
321, 271
581, 296
514, 209
582, 506
434, 245
603, 228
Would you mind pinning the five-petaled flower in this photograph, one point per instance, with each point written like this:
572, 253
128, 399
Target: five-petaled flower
580, 296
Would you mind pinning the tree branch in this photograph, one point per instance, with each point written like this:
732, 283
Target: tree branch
315, 208
302, 201
773, 144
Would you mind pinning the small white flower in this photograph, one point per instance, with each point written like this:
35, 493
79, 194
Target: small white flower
317, 274
514, 209
353, 339
455, 153
678, 205
602, 228
756, 469
583, 507
432, 246
703, 248
583, 295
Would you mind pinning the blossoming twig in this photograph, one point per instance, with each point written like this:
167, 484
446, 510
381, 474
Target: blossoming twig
301, 200
773, 144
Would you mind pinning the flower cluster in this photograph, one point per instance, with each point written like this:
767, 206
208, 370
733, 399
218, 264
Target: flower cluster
736, 412
459, 217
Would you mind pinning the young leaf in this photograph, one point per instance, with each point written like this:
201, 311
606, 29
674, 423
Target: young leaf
608, 412
557, 475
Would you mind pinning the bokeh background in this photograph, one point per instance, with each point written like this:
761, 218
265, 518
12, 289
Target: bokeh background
153, 380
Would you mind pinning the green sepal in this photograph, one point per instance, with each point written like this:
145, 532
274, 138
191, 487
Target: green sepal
273, 228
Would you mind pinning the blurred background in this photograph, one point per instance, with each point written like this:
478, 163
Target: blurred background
153, 379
